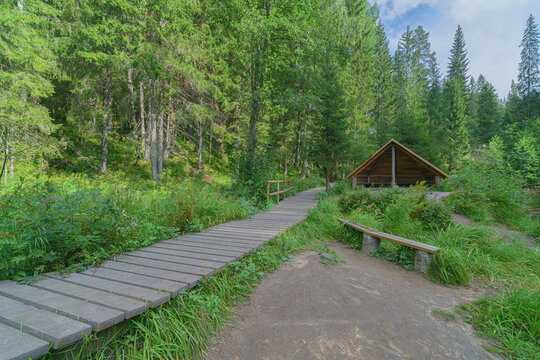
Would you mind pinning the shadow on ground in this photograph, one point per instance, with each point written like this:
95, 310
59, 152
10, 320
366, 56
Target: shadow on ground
365, 308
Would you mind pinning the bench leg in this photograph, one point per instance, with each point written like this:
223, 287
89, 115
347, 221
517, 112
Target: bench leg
422, 260
370, 244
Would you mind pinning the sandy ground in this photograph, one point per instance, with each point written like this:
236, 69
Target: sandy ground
365, 308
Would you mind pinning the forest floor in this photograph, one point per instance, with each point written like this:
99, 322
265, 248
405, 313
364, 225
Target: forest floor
363, 308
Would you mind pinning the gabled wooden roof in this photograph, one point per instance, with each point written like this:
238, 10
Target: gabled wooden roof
406, 150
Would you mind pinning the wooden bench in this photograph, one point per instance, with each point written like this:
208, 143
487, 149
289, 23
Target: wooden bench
371, 242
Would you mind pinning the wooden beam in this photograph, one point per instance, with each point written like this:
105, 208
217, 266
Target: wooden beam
394, 166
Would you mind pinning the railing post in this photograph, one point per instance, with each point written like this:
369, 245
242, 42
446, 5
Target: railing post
268, 190
277, 192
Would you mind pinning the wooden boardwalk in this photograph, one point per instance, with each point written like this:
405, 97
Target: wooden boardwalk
59, 309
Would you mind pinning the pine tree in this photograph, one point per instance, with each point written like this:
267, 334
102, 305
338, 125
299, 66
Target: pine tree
458, 62
330, 140
529, 67
457, 135
383, 86
27, 65
488, 115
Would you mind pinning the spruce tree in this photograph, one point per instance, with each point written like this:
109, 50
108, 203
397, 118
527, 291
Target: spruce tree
330, 140
488, 115
383, 86
529, 67
457, 135
458, 62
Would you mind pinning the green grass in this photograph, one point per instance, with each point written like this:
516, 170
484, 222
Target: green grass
474, 254
185, 327
513, 318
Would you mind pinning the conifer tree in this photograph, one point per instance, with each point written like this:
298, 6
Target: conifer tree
458, 62
488, 115
457, 135
383, 85
529, 67
330, 125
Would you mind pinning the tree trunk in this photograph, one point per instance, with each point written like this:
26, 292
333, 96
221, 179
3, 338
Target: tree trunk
311, 167
199, 145
107, 123
152, 130
285, 170
169, 140
327, 176
210, 140
12, 163
160, 144
5, 165
131, 101
298, 138
304, 170
144, 129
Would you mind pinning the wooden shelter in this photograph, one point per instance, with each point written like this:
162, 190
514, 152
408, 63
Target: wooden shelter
394, 164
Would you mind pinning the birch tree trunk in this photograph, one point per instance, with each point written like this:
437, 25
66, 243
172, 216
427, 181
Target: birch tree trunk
132, 97
199, 145
12, 163
107, 123
160, 143
304, 169
169, 132
152, 133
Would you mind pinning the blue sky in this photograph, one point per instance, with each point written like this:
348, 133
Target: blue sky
492, 28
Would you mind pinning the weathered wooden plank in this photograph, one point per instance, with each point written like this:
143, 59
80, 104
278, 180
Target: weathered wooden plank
166, 265
188, 254
16, 345
100, 317
236, 254
152, 297
45, 325
130, 307
221, 239
189, 279
179, 259
242, 250
149, 282
216, 244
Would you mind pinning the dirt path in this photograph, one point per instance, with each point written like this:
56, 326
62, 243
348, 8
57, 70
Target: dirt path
366, 308
511, 235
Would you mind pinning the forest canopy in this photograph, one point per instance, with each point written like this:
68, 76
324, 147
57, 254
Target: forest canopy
257, 84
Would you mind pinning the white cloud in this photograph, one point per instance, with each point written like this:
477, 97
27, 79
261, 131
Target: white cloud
390, 9
492, 28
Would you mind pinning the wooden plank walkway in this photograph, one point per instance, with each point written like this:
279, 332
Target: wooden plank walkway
58, 310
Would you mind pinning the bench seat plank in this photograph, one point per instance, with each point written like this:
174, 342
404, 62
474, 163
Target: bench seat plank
399, 240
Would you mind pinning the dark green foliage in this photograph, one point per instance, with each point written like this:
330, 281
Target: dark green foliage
486, 190
436, 215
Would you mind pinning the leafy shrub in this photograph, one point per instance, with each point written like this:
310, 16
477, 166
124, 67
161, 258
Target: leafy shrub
436, 215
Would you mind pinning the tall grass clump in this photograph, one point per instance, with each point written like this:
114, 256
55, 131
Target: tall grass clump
512, 318
76, 221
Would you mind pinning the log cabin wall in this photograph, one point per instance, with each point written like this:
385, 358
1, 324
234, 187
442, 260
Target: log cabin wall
409, 168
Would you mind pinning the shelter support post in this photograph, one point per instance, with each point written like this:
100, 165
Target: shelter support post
437, 180
354, 181
394, 184
370, 244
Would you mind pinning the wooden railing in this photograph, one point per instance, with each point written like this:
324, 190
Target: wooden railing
279, 192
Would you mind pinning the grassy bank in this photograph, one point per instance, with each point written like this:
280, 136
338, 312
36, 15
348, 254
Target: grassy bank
184, 327
470, 255
67, 222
